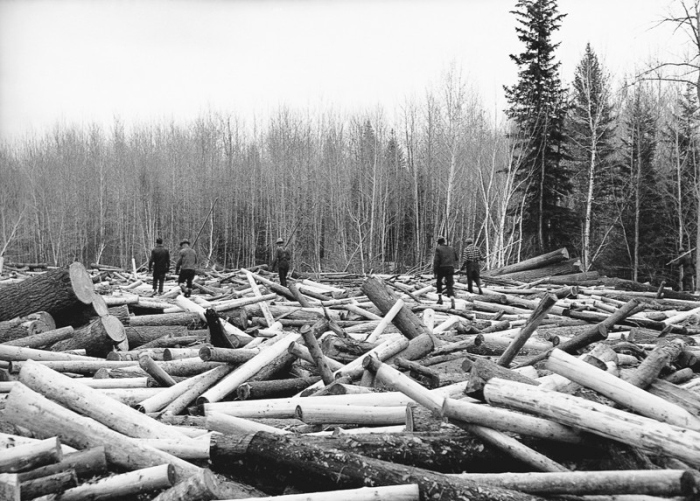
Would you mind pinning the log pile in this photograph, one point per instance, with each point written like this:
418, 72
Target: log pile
552, 384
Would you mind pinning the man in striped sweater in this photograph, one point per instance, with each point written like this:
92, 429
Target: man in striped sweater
471, 255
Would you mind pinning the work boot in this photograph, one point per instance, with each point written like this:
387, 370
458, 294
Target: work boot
188, 292
439, 299
480, 291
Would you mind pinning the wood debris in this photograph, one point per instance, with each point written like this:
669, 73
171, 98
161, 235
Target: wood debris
552, 383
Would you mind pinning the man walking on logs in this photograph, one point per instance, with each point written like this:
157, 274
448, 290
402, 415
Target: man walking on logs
185, 267
471, 255
444, 268
160, 264
281, 262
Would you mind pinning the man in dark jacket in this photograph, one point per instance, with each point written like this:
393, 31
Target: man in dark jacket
281, 262
160, 264
444, 268
186, 266
471, 256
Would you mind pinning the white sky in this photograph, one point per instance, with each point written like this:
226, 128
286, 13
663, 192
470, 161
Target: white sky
71, 61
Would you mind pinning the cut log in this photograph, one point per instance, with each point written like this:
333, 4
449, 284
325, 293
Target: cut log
177, 397
316, 466
440, 451
236, 356
31, 410
526, 331
9, 484
97, 339
156, 371
567, 266
231, 425
142, 334
275, 388
666, 483
183, 319
30, 325
638, 431
311, 413
239, 376
58, 482
93, 403
132, 483
529, 264
43, 339
18, 353
85, 464
200, 487
435, 401
620, 391
30, 456
658, 359
310, 334
405, 320
61, 293
217, 336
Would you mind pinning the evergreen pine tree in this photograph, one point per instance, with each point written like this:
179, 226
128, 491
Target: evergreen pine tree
537, 107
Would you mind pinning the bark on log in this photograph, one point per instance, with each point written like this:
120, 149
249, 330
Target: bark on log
406, 321
142, 334
18, 354
567, 266
277, 388
687, 399
311, 413
43, 339
57, 482
310, 334
156, 371
217, 336
61, 293
535, 262
331, 468
655, 361
482, 370
85, 464
443, 452
192, 337
30, 456
638, 431
183, 319
27, 408
97, 339
235, 356
666, 483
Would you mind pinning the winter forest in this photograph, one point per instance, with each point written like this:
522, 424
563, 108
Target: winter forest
608, 167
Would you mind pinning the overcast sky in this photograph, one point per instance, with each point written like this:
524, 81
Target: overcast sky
143, 61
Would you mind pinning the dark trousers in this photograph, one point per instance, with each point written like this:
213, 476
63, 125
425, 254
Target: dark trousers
448, 274
473, 275
283, 269
186, 276
158, 281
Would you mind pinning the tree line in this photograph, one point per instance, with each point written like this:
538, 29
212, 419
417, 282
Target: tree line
610, 172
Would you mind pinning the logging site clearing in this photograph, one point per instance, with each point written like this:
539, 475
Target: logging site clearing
547, 385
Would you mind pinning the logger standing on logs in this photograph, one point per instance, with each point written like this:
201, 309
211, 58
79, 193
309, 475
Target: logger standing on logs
185, 267
160, 264
444, 268
281, 261
471, 256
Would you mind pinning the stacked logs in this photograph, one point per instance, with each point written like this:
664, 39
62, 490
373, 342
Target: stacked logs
357, 387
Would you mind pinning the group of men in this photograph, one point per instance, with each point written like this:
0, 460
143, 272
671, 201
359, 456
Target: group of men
445, 262
159, 264
185, 267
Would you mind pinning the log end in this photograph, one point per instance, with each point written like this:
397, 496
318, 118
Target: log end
81, 282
